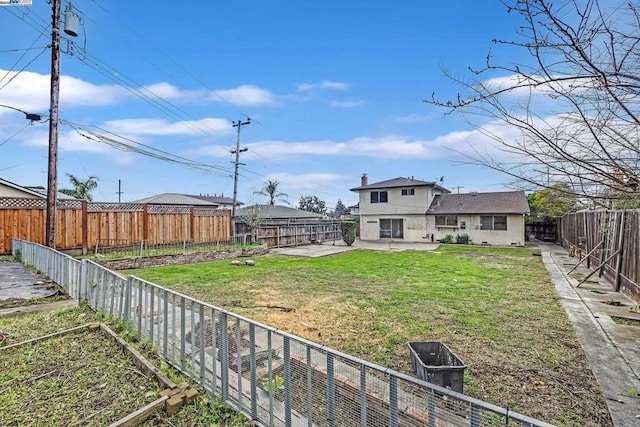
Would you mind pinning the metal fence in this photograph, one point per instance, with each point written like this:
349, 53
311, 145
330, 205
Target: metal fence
274, 378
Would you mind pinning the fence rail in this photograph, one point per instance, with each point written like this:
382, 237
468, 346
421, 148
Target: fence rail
274, 378
609, 242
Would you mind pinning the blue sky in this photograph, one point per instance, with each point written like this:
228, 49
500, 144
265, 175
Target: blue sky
334, 89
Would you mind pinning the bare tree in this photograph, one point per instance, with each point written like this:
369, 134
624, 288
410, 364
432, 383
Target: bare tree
253, 217
574, 106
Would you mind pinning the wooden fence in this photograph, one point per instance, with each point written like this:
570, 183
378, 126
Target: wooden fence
79, 224
609, 242
277, 235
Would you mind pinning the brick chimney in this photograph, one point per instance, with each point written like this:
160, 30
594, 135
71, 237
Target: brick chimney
364, 180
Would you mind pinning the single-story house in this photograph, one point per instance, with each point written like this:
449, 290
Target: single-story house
175, 199
495, 218
276, 214
417, 211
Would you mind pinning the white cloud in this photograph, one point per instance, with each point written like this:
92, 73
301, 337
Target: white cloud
169, 92
326, 84
73, 142
385, 147
412, 118
346, 104
30, 92
245, 95
162, 127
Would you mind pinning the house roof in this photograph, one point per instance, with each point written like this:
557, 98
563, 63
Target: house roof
399, 182
506, 202
218, 200
174, 199
276, 212
34, 193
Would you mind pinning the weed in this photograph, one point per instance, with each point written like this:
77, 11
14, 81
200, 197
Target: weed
272, 386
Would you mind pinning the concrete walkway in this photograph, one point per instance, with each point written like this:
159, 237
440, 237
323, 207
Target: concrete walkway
18, 283
334, 247
612, 349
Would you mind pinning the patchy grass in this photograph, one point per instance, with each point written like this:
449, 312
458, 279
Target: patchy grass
84, 378
625, 321
496, 308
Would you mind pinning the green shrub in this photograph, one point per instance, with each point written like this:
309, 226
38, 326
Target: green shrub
348, 229
462, 239
447, 239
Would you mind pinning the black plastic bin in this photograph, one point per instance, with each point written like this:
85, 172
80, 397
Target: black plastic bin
434, 362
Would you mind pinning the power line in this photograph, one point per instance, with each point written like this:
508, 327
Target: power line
15, 134
22, 69
146, 150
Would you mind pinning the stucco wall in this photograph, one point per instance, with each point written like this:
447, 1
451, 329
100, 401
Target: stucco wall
414, 227
514, 234
418, 228
397, 203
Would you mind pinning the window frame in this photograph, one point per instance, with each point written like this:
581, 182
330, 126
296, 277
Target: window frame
378, 196
408, 192
502, 225
446, 220
395, 229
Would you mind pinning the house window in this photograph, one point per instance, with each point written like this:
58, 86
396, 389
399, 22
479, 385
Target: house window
446, 220
391, 228
408, 191
493, 222
379, 197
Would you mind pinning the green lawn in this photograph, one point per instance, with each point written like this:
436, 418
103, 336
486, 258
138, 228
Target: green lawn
496, 308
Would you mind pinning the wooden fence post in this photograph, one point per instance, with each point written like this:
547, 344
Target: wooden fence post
620, 258
191, 224
85, 228
145, 222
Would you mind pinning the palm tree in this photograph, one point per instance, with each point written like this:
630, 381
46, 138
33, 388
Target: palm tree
271, 189
81, 189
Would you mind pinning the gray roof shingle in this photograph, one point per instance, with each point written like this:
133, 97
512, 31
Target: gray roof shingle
505, 202
218, 200
277, 212
174, 199
399, 182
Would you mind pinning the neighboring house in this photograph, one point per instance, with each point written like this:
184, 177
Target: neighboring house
276, 214
221, 201
11, 190
248, 218
418, 211
487, 218
175, 199
395, 209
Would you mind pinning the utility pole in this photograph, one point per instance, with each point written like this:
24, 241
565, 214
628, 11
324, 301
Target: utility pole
237, 152
119, 193
52, 170
459, 187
